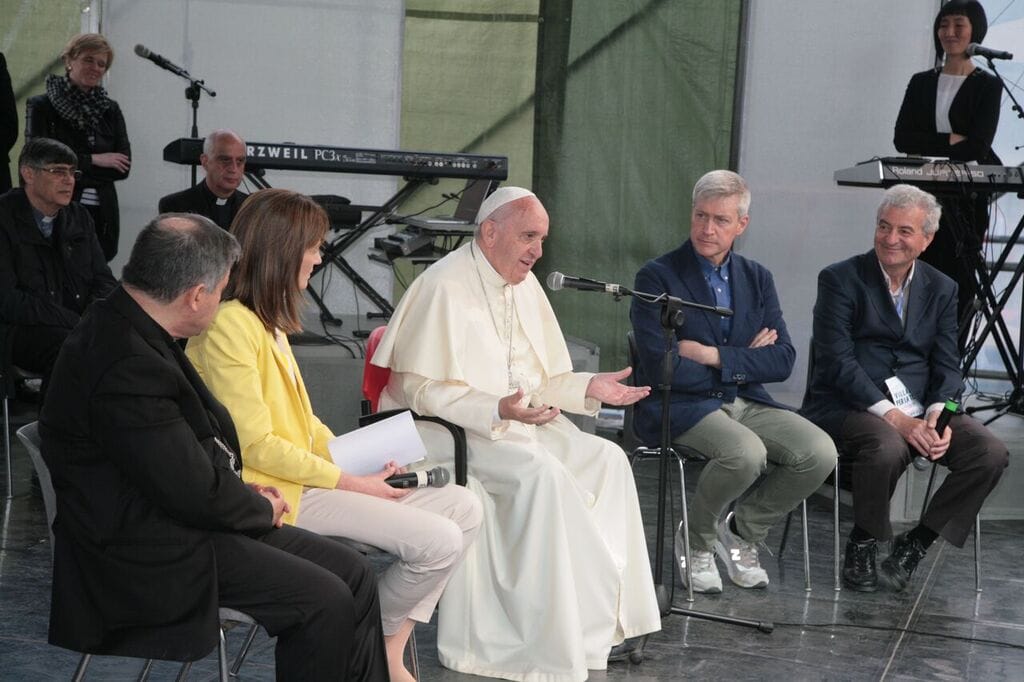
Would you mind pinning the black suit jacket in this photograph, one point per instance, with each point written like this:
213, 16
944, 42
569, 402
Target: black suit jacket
129, 433
8, 124
973, 113
199, 199
698, 390
859, 340
48, 281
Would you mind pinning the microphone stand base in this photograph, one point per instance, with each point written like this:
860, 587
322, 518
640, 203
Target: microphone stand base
666, 608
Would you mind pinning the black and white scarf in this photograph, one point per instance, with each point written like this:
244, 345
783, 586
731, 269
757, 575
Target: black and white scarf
81, 109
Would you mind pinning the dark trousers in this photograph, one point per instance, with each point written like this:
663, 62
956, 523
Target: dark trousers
878, 456
35, 348
317, 596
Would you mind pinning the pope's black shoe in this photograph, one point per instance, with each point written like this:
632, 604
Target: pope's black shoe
859, 565
906, 554
622, 652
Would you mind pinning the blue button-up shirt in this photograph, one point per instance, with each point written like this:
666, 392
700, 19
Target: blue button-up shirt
717, 277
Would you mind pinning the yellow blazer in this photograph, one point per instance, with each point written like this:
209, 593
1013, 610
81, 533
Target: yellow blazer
283, 443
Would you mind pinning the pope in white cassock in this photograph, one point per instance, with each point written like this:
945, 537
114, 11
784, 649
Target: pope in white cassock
559, 572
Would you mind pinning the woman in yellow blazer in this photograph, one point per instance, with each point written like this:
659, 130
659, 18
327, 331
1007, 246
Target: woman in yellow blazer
245, 360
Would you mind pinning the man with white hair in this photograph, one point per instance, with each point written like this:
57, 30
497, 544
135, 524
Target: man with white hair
560, 573
885, 361
217, 195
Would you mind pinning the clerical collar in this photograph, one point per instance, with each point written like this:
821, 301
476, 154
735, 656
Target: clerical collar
484, 268
44, 222
216, 200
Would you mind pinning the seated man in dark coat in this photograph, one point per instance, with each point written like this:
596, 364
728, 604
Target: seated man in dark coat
155, 528
216, 196
885, 361
51, 264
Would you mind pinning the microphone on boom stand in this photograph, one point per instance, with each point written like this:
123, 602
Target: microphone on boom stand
671, 317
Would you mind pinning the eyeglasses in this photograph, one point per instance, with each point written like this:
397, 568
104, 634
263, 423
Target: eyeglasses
61, 172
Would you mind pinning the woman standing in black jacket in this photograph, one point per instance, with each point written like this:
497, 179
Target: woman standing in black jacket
77, 111
952, 111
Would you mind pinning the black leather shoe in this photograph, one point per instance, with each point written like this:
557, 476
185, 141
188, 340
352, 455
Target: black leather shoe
906, 554
623, 652
859, 566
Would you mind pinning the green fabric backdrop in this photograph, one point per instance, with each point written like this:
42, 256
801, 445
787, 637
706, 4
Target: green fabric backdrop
635, 102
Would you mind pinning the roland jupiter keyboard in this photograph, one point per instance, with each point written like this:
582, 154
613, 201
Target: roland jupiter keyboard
934, 176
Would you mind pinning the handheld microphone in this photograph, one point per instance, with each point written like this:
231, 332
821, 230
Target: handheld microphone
557, 281
162, 62
436, 478
976, 50
948, 410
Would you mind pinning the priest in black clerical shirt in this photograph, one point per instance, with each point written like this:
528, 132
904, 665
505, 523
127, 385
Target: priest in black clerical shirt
217, 196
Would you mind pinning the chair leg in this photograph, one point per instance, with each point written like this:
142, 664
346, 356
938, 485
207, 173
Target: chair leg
83, 662
785, 536
414, 657
807, 549
685, 525
183, 672
977, 553
222, 657
835, 527
147, 667
7, 453
244, 651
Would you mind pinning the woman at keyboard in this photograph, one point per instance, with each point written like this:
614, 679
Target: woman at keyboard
952, 111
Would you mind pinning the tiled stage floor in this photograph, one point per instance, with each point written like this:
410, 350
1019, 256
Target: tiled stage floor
938, 630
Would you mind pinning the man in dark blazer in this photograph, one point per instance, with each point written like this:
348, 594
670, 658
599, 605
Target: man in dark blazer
719, 405
885, 361
155, 528
216, 196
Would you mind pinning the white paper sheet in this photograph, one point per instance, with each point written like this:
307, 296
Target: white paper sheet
366, 450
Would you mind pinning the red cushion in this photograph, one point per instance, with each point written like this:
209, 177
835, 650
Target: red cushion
374, 378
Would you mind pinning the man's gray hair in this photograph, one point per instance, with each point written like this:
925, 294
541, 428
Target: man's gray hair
211, 139
723, 183
42, 151
177, 251
908, 196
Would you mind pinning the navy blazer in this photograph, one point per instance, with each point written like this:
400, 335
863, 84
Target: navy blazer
698, 390
859, 340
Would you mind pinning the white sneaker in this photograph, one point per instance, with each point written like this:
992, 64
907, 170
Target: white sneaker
705, 573
740, 557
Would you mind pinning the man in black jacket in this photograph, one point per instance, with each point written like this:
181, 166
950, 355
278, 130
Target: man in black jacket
155, 528
8, 124
51, 264
216, 196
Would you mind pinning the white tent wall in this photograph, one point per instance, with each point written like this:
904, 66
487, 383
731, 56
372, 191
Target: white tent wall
304, 71
823, 85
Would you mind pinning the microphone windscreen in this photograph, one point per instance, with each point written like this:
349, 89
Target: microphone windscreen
440, 477
555, 281
142, 51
